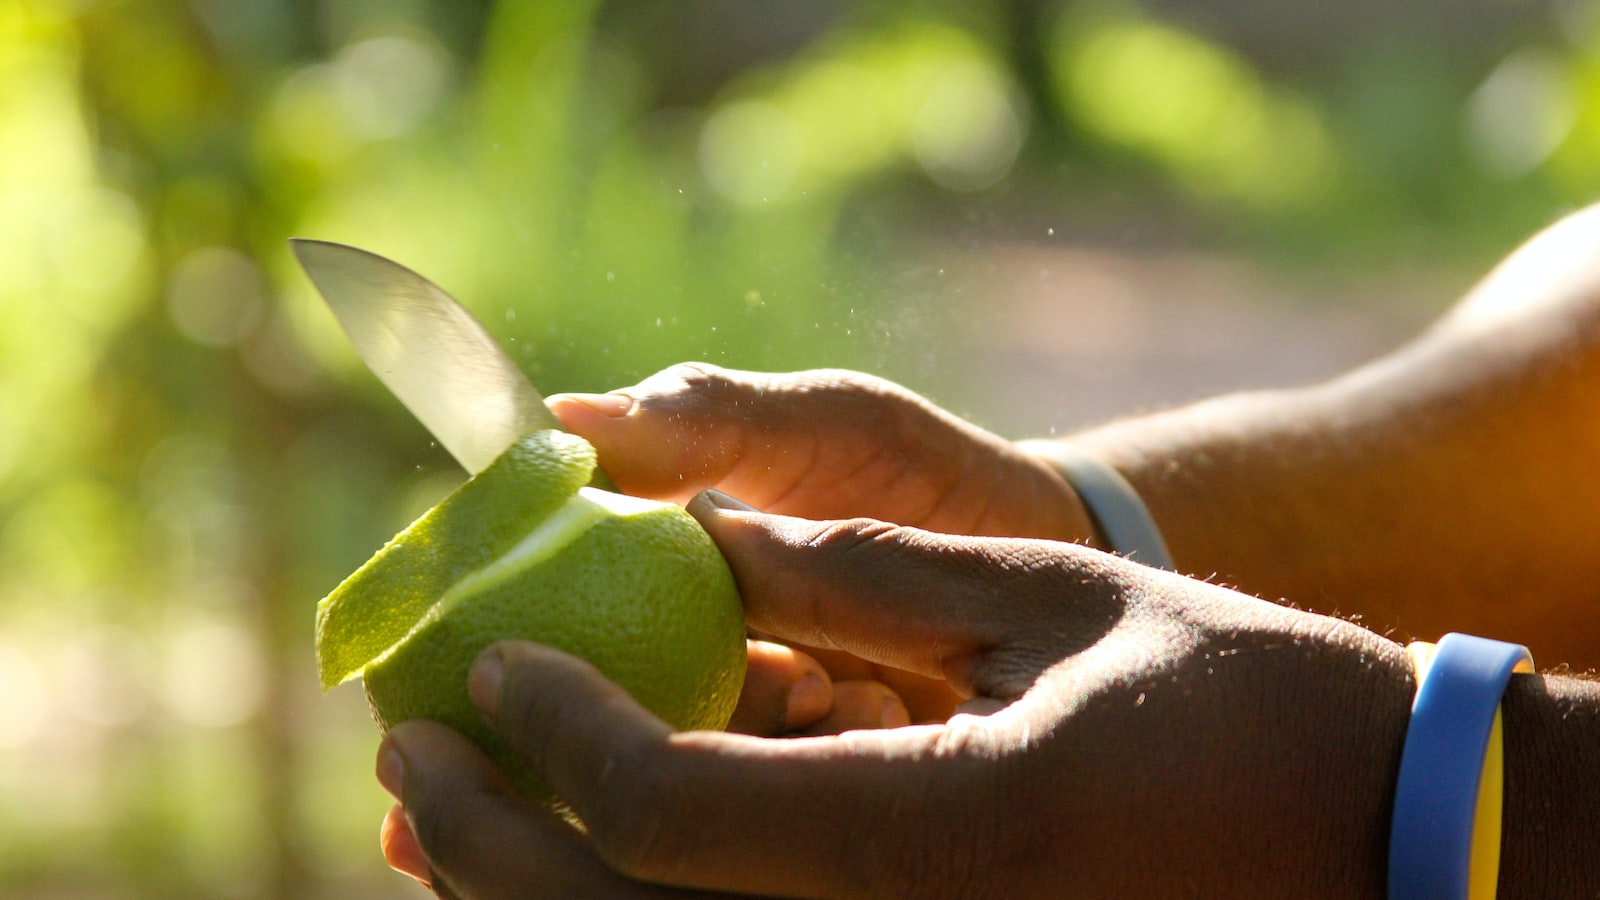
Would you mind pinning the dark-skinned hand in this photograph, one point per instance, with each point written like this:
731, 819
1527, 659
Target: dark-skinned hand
823, 444
1127, 732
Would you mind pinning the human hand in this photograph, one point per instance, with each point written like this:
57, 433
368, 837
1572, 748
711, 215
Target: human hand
789, 692
820, 444
1148, 735
782, 442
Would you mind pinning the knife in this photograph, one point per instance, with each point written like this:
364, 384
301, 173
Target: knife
431, 353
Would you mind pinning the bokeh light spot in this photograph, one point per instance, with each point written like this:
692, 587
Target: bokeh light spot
214, 674
388, 85
215, 296
24, 703
968, 132
750, 152
1521, 113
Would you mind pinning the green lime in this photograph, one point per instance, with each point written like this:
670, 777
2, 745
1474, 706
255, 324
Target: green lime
525, 550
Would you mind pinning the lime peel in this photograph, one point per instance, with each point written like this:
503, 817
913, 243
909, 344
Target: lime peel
381, 602
526, 550
586, 507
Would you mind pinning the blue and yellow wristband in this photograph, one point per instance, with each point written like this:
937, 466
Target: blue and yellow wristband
1444, 839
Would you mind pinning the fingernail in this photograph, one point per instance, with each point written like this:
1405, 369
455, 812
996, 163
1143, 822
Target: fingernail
808, 701
894, 713
724, 501
483, 681
981, 706
391, 770
401, 850
612, 405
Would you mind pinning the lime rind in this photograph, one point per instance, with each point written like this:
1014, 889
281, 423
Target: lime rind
566, 524
383, 601
679, 652
525, 550
581, 511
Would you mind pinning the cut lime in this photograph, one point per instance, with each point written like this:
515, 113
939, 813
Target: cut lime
524, 550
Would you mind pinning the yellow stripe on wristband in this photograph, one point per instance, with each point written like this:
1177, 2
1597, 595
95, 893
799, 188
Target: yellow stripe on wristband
1484, 875
1484, 867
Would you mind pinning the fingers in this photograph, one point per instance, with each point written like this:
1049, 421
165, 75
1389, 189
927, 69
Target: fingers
927, 700
400, 848
926, 603
696, 426
787, 692
815, 816
820, 443
480, 839
648, 451
859, 705
784, 691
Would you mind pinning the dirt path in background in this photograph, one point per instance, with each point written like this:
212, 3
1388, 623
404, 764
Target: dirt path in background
1069, 338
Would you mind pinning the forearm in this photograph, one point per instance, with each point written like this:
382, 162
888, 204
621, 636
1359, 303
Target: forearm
1411, 529
1446, 487
1402, 518
1552, 788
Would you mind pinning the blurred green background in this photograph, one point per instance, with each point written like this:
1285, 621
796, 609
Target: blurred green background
1037, 212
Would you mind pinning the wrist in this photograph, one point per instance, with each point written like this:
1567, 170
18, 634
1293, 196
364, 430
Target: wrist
1117, 517
1066, 517
1552, 787
1353, 693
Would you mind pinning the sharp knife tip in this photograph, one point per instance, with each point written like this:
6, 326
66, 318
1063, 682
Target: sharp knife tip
300, 243
303, 247
300, 246
311, 252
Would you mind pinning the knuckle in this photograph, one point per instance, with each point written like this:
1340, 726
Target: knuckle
850, 382
521, 722
445, 835
690, 379
630, 823
856, 549
862, 395
691, 372
699, 395
870, 552
848, 537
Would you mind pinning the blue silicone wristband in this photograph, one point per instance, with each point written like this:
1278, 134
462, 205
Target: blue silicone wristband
1430, 836
1111, 502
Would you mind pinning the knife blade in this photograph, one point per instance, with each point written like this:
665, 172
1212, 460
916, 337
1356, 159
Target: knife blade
429, 350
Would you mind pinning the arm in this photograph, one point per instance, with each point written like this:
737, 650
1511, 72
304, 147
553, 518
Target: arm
1165, 737
1162, 734
1449, 486
1551, 817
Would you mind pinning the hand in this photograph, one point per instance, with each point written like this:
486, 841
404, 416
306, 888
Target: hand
820, 444
781, 442
1147, 735
789, 692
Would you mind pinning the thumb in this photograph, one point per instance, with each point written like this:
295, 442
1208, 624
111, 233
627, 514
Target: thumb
676, 433
649, 455
943, 606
